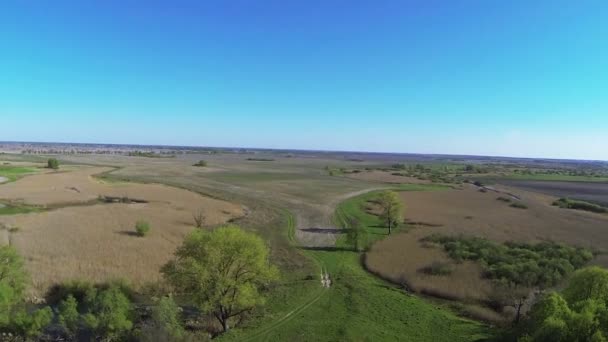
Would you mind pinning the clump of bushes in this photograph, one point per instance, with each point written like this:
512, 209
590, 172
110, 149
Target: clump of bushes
504, 199
201, 163
518, 205
543, 264
52, 163
580, 205
142, 228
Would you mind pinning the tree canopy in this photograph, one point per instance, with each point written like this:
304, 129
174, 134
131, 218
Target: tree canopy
221, 271
392, 209
580, 314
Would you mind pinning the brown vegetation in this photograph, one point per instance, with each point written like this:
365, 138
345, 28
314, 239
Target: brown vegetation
404, 257
94, 240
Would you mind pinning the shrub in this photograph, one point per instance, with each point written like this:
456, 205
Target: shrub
542, 264
68, 315
109, 313
504, 199
52, 163
166, 321
142, 228
580, 205
201, 163
518, 205
32, 324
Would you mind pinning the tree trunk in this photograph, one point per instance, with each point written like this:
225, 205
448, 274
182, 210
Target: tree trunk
225, 325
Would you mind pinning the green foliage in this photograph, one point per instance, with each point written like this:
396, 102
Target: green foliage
580, 205
166, 319
392, 209
13, 279
200, 163
109, 313
142, 228
518, 205
52, 163
543, 264
590, 283
68, 315
356, 234
581, 314
31, 324
222, 271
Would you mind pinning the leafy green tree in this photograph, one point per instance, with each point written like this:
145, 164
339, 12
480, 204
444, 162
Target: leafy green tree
588, 283
53, 163
32, 324
222, 271
392, 209
110, 313
356, 235
166, 322
13, 279
580, 315
69, 317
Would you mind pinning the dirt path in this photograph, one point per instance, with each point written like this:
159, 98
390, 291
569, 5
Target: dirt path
314, 226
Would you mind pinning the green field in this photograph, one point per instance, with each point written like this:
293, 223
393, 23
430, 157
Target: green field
359, 306
12, 173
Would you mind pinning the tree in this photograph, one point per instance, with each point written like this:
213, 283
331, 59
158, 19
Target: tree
13, 279
356, 235
31, 324
69, 316
588, 283
199, 219
581, 314
110, 313
200, 163
221, 271
392, 209
166, 320
53, 163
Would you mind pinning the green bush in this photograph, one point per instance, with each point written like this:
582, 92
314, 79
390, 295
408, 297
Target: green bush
504, 199
543, 264
52, 163
142, 228
68, 315
518, 205
200, 163
32, 324
580, 205
109, 313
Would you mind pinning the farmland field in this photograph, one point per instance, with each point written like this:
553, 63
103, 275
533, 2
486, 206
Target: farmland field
596, 192
299, 208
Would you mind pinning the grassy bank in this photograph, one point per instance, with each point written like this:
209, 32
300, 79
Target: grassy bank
12, 173
359, 306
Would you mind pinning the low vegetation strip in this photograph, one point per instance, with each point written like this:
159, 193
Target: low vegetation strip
580, 205
12, 173
544, 264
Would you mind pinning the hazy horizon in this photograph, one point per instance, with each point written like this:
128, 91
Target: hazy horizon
514, 79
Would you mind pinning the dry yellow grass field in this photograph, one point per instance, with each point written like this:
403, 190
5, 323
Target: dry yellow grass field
473, 213
96, 241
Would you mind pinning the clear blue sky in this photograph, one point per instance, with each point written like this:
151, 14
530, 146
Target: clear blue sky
516, 78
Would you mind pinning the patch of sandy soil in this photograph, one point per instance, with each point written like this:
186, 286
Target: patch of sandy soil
97, 242
3, 180
473, 213
385, 177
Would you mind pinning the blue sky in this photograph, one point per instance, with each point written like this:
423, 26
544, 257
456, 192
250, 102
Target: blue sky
515, 78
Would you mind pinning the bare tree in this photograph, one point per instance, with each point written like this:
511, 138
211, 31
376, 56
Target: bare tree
199, 219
